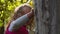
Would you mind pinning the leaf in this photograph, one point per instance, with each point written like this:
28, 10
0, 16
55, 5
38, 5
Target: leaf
31, 3
3, 1
24, 1
1, 23
18, 0
17, 3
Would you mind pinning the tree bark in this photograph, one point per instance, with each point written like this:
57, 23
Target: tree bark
45, 14
58, 17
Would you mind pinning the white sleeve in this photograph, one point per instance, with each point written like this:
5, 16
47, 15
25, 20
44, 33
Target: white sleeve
18, 23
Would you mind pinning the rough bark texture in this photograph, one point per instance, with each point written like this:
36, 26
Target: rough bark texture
52, 21
38, 12
45, 12
58, 17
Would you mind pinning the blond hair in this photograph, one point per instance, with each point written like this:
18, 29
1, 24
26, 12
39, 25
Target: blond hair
15, 16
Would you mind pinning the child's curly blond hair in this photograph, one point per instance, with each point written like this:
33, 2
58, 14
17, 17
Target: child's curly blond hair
17, 13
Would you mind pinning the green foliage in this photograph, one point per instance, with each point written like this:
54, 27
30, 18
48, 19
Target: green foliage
7, 8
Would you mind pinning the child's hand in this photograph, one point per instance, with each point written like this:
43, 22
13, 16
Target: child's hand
30, 14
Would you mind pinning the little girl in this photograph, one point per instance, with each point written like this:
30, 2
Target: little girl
20, 19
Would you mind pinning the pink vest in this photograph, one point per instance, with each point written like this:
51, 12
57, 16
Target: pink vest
21, 30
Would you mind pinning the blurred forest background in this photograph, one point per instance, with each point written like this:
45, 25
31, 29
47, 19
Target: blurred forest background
7, 8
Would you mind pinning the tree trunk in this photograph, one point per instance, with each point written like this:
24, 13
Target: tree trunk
58, 17
45, 14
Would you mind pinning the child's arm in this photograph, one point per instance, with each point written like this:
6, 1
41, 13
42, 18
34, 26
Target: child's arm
20, 21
